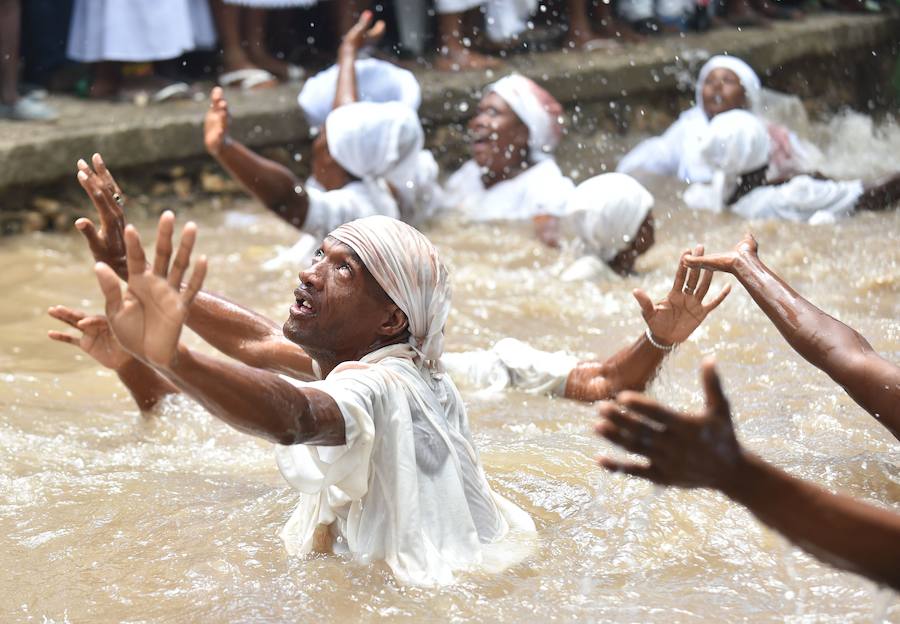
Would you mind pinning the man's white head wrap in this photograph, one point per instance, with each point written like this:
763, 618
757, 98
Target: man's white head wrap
736, 142
372, 140
607, 211
407, 266
539, 111
749, 79
376, 81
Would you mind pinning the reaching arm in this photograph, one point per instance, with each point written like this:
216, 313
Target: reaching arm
825, 342
272, 184
148, 319
354, 39
146, 386
234, 330
701, 450
669, 322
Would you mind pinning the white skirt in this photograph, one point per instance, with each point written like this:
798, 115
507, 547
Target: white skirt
112, 30
274, 4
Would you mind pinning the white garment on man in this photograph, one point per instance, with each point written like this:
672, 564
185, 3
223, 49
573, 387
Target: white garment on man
737, 143
505, 19
138, 31
541, 189
407, 487
677, 151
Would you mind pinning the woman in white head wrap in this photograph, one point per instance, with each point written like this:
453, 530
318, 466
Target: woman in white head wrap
407, 487
610, 218
736, 147
724, 83
512, 174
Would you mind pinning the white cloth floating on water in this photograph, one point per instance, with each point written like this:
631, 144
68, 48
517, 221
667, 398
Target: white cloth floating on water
541, 189
376, 81
804, 199
606, 211
138, 31
407, 487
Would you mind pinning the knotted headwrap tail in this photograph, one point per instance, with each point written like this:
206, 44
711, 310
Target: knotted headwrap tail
607, 211
749, 79
537, 109
407, 266
375, 139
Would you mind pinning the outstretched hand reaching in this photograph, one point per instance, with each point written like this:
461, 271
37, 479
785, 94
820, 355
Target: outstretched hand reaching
97, 340
675, 318
148, 319
108, 244
727, 261
686, 450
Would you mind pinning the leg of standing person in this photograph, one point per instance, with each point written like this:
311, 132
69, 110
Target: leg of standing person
454, 53
11, 105
235, 62
258, 51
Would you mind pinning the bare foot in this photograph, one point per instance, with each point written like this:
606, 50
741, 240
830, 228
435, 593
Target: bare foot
234, 62
274, 66
463, 59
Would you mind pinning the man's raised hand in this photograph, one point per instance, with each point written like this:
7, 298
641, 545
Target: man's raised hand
726, 262
97, 340
215, 124
360, 34
148, 319
108, 243
675, 318
686, 450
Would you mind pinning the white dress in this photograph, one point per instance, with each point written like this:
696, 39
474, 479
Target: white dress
803, 199
407, 487
541, 189
274, 4
118, 30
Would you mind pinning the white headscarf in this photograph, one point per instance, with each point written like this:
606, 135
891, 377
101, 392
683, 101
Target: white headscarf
537, 109
407, 266
607, 211
372, 140
376, 81
749, 79
735, 143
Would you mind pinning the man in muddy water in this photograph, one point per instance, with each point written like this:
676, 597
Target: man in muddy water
351, 387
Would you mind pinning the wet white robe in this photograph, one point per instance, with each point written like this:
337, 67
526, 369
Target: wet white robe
407, 487
803, 199
119, 30
358, 199
541, 189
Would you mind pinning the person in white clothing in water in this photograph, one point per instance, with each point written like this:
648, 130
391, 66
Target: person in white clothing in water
736, 148
512, 174
363, 155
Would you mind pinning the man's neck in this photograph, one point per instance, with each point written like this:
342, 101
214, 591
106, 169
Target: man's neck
328, 360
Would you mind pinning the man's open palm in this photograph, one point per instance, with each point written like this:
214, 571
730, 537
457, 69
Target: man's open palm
148, 319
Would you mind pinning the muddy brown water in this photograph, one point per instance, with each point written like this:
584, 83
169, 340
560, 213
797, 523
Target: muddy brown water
106, 515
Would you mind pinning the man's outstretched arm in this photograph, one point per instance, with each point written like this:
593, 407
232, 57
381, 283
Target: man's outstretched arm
232, 329
701, 450
669, 322
147, 321
273, 184
825, 342
146, 386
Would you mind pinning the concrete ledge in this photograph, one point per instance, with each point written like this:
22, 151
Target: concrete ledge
130, 136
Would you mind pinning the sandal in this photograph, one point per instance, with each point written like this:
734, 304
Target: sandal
247, 79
